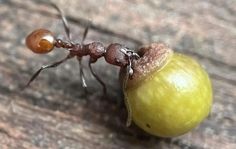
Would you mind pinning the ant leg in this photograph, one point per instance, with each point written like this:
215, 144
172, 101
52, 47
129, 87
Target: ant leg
55, 64
88, 24
82, 78
98, 79
63, 18
85, 33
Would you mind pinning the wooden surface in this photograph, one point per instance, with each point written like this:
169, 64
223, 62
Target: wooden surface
55, 113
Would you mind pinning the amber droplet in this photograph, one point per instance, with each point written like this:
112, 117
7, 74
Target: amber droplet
40, 41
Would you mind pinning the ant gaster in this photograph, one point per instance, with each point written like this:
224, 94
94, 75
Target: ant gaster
42, 41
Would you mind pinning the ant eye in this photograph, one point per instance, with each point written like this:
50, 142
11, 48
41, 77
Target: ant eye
40, 41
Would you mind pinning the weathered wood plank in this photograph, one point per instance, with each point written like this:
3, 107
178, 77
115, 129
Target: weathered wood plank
55, 113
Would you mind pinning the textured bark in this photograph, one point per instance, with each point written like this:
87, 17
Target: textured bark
55, 112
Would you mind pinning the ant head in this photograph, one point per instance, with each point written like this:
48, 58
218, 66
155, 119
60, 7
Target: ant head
119, 55
40, 41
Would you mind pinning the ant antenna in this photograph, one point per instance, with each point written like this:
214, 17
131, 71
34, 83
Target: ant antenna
128, 71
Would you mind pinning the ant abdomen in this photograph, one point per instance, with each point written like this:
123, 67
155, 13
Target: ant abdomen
40, 41
114, 55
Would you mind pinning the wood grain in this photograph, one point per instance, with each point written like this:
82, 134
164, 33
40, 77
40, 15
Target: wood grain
54, 112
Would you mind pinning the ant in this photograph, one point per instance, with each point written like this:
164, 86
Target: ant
42, 41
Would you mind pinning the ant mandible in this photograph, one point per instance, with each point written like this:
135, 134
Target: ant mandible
42, 41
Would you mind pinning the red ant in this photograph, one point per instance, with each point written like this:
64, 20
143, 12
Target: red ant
42, 41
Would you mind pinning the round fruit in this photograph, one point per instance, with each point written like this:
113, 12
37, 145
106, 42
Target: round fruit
169, 93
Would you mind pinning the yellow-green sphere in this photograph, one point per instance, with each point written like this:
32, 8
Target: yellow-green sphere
172, 100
